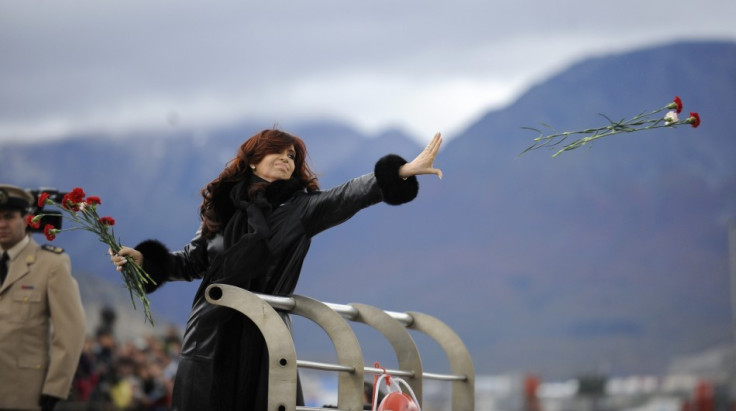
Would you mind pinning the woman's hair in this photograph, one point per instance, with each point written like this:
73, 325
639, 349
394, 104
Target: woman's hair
252, 151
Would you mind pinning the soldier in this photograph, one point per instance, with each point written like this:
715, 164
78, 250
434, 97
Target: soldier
37, 291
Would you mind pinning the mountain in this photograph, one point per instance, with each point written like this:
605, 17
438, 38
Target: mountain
612, 259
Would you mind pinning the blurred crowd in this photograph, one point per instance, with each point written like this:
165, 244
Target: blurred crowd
128, 375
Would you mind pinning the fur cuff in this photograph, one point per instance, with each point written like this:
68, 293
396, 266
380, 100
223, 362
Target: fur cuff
395, 189
156, 262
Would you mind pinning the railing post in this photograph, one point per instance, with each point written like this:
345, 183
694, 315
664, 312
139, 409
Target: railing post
281, 352
406, 350
349, 353
463, 392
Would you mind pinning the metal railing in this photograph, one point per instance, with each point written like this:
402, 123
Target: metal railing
333, 319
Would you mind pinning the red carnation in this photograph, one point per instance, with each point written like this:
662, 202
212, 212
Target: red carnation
693, 120
94, 200
33, 224
73, 199
50, 232
107, 221
42, 199
68, 203
77, 195
678, 104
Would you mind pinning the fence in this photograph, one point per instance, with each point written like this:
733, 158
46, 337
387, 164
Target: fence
333, 319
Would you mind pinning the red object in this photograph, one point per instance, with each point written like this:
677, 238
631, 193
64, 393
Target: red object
531, 401
50, 232
71, 200
42, 199
94, 200
696, 122
704, 400
107, 220
678, 104
398, 401
29, 220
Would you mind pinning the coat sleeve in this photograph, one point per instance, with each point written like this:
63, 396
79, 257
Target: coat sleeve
69, 323
329, 208
162, 265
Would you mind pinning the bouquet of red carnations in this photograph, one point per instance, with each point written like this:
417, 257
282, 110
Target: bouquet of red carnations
640, 122
82, 210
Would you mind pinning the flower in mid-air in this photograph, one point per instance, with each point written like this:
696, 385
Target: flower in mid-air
693, 120
671, 117
640, 122
676, 105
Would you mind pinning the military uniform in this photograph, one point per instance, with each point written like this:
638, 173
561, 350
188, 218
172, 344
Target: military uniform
39, 292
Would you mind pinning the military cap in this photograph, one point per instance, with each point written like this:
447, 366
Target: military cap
15, 197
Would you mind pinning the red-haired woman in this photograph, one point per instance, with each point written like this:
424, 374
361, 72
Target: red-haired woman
258, 218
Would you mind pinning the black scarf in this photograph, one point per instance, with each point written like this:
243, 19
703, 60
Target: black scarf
246, 233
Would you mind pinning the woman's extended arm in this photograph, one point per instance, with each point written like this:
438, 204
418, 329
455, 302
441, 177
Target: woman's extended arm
393, 181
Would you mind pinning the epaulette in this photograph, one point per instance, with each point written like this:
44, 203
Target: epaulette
54, 249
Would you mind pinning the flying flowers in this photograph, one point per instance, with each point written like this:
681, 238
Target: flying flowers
83, 211
640, 122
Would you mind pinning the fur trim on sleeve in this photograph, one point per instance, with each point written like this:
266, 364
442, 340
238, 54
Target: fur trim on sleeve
395, 189
156, 262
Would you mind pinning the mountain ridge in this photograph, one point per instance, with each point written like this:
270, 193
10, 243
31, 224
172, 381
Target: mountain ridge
608, 259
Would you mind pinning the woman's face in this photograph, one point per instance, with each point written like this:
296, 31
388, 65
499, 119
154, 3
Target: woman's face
276, 166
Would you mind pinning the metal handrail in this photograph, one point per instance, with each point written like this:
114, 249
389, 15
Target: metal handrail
322, 366
351, 313
347, 311
332, 318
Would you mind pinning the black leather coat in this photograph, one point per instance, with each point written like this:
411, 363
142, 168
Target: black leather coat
223, 353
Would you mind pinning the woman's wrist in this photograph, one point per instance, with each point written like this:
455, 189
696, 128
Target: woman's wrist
405, 171
396, 179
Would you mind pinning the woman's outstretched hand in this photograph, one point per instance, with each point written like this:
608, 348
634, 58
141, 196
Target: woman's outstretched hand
424, 162
119, 259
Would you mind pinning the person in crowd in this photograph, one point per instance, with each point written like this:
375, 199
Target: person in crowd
257, 221
37, 295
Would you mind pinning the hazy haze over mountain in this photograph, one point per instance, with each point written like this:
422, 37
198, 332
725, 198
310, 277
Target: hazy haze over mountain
609, 259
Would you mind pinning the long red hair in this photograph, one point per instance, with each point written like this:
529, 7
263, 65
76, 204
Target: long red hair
252, 151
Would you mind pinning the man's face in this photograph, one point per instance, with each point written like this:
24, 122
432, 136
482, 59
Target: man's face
12, 228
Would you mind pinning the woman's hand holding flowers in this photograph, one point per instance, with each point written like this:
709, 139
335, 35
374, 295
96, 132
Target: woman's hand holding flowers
119, 259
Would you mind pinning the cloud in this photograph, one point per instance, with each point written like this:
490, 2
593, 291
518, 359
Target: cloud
84, 66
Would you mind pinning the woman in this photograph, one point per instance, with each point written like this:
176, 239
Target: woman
258, 218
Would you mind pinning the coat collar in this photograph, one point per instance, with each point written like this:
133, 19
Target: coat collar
23, 261
19, 247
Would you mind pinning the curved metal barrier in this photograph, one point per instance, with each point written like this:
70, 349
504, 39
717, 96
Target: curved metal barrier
333, 319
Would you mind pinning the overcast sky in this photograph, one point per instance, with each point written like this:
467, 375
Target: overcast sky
424, 65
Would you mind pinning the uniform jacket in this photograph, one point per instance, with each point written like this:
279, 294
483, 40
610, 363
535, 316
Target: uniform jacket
261, 249
39, 292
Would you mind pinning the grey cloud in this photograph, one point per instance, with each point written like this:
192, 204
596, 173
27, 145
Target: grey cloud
67, 58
